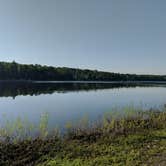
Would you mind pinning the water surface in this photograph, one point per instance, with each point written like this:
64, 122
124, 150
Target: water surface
66, 102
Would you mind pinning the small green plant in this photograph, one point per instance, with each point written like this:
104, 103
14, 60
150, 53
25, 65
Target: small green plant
43, 126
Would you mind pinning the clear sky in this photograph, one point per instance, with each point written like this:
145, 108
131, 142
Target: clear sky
127, 36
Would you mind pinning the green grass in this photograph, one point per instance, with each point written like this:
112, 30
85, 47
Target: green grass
136, 139
134, 149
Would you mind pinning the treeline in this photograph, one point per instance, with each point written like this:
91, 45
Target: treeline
15, 71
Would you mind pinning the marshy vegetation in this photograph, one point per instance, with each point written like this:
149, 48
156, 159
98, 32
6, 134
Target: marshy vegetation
137, 138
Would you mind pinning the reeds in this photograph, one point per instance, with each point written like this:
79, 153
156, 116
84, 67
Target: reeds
109, 125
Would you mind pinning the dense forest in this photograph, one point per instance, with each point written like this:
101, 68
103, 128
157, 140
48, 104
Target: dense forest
15, 71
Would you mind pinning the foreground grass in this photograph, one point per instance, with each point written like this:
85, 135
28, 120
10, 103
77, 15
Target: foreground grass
139, 140
135, 149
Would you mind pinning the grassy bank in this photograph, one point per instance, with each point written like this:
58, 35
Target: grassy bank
136, 139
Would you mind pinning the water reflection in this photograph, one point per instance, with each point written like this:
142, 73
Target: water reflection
69, 102
14, 89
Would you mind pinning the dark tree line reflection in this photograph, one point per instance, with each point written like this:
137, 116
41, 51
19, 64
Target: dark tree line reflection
13, 89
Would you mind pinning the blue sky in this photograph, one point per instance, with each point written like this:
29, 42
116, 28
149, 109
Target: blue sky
127, 36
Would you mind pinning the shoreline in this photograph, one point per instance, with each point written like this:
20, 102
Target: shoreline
130, 141
87, 82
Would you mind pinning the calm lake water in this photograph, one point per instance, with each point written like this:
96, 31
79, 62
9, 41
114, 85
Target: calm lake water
69, 102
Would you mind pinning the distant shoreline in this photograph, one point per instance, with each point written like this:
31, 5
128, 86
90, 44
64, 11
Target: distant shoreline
88, 82
37, 73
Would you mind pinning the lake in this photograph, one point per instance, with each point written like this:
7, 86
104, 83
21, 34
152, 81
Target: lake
70, 101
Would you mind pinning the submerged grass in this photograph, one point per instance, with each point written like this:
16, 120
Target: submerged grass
138, 138
21, 129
